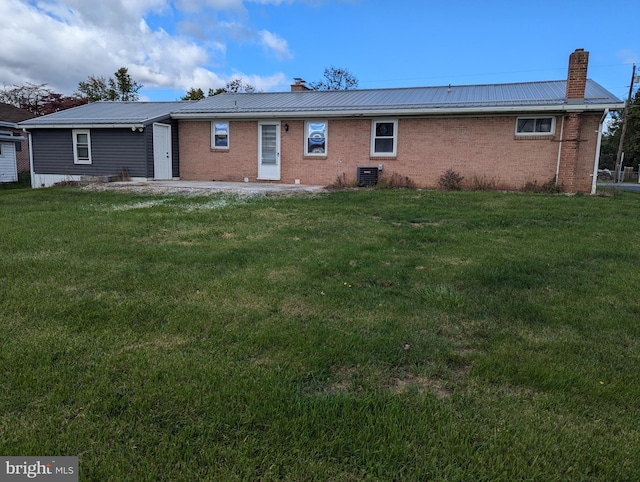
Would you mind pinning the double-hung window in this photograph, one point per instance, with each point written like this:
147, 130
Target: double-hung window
81, 146
315, 143
220, 135
384, 137
535, 126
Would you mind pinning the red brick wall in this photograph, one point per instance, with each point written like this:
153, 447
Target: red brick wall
22, 157
578, 152
474, 146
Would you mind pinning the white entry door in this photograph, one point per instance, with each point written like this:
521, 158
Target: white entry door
269, 151
162, 152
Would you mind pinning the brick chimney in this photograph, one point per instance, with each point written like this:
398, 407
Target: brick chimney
299, 86
577, 76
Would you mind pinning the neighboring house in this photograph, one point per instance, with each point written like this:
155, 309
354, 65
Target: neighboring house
510, 134
12, 115
136, 140
8, 142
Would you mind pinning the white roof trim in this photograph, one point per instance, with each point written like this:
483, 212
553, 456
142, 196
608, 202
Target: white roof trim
82, 126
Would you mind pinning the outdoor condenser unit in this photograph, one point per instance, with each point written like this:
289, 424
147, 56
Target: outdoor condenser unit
367, 176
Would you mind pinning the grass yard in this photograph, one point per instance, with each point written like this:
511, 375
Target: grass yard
355, 335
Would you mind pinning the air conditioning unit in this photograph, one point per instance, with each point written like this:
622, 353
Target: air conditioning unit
367, 176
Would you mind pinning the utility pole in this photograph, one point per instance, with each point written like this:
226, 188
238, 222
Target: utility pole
624, 125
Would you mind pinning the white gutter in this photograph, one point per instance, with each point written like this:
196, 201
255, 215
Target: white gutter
596, 160
560, 149
33, 174
392, 112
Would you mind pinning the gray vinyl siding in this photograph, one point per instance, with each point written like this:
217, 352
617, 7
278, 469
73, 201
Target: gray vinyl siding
112, 151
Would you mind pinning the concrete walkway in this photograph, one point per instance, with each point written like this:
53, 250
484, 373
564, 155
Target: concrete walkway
217, 186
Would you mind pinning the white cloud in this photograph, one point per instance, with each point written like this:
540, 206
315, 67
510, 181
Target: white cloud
275, 43
61, 42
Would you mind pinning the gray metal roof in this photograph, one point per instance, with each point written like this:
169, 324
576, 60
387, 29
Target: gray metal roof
528, 96
107, 114
522, 97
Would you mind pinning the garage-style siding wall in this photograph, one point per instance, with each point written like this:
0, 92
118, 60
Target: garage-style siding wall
112, 151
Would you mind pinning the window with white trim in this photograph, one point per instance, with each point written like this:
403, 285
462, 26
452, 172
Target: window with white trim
81, 146
384, 137
220, 135
535, 126
315, 138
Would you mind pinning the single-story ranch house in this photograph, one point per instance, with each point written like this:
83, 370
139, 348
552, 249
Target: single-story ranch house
510, 134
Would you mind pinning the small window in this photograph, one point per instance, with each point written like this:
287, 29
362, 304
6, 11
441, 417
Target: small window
315, 138
384, 134
220, 135
535, 126
81, 146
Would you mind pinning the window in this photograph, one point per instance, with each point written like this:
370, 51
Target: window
220, 135
315, 143
81, 146
384, 135
535, 126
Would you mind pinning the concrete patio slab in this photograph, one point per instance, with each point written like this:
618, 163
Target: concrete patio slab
211, 187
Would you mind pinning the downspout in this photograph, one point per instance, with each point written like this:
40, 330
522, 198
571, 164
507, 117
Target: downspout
31, 173
559, 150
596, 160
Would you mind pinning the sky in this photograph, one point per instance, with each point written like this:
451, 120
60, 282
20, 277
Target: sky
172, 46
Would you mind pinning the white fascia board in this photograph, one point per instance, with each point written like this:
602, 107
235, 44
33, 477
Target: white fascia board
12, 138
437, 111
82, 126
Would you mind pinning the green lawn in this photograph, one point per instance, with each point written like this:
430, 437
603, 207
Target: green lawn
355, 335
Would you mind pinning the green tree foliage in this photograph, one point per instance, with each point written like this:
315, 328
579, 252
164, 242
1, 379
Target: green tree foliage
611, 140
120, 87
193, 94
336, 78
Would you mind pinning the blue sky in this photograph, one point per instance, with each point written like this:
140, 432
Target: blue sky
170, 46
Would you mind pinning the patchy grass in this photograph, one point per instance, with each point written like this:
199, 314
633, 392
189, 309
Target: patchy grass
356, 335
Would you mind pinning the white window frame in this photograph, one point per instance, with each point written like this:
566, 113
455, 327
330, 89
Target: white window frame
307, 124
213, 134
394, 137
536, 118
76, 158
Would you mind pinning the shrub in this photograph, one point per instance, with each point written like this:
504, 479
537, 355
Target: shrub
450, 180
395, 181
341, 182
481, 183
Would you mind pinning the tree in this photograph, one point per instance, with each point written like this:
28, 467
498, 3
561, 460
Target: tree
124, 85
193, 94
611, 140
38, 99
238, 86
121, 87
95, 89
336, 78
55, 102
234, 86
